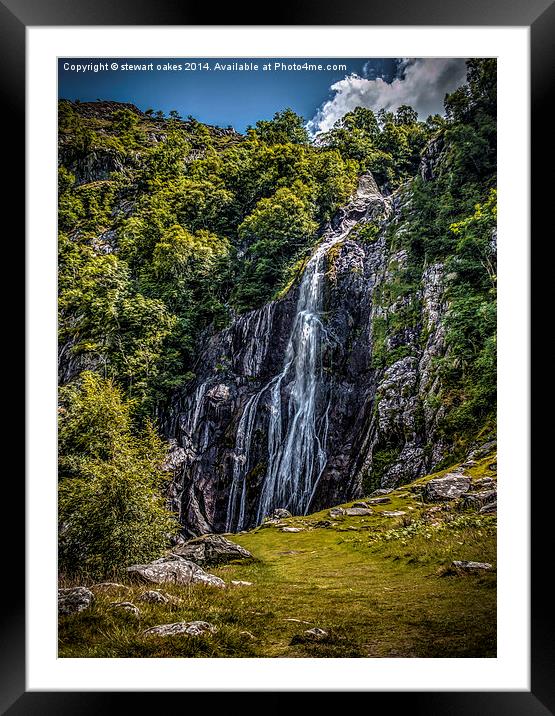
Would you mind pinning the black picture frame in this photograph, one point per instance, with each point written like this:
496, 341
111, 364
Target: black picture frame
539, 16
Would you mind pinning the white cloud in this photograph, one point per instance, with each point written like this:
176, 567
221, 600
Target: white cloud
421, 83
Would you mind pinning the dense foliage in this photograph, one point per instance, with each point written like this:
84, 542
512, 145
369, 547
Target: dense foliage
111, 510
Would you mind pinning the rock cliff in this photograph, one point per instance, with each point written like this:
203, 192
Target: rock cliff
291, 400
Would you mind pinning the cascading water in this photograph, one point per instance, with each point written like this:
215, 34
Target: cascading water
298, 424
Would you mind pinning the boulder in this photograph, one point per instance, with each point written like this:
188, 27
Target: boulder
489, 508
463, 566
381, 491
448, 487
74, 599
484, 483
153, 597
358, 511
393, 513
482, 450
323, 524
209, 550
336, 512
469, 463
176, 571
127, 607
477, 500
379, 500
291, 529
240, 583
280, 514
188, 628
360, 504
316, 634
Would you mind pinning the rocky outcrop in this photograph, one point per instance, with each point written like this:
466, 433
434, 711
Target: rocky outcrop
97, 164
74, 599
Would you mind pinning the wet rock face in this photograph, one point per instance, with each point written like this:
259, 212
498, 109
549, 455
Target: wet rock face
223, 425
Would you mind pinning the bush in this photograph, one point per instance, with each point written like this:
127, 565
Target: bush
111, 508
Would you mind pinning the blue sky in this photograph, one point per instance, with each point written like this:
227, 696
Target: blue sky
239, 98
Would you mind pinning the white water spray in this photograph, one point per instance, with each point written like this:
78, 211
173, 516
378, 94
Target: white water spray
298, 424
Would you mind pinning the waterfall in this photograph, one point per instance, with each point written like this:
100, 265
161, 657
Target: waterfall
296, 449
190, 421
236, 506
298, 422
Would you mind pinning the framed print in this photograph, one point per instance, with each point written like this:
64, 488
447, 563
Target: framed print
267, 272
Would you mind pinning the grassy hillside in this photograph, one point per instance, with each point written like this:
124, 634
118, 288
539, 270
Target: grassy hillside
379, 586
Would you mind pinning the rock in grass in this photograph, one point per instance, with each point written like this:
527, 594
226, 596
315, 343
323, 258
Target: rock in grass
381, 491
379, 500
393, 513
488, 509
174, 571
322, 524
310, 635
336, 512
74, 599
248, 634
484, 483
448, 487
240, 583
482, 450
463, 566
268, 522
188, 628
291, 529
316, 634
358, 511
210, 550
127, 607
152, 596
478, 499
280, 514
360, 504
469, 463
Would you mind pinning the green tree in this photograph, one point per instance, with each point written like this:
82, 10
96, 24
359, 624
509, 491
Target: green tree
275, 233
286, 126
112, 511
